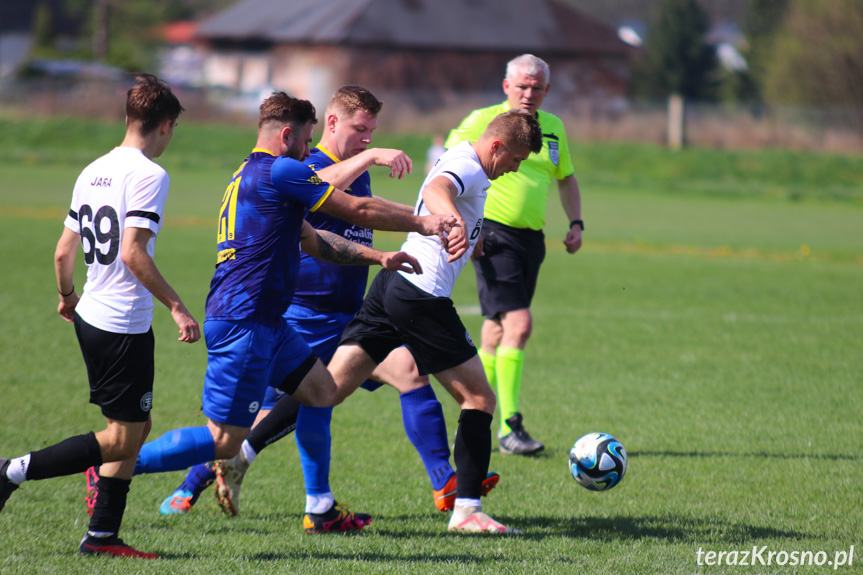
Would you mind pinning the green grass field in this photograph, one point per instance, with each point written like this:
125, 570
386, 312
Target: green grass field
713, 322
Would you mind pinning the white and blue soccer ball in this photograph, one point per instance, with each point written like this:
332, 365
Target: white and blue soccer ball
597, 461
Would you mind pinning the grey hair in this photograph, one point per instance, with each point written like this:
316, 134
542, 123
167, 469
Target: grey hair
530, 65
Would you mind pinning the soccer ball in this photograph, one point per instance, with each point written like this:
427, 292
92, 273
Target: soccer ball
597, 461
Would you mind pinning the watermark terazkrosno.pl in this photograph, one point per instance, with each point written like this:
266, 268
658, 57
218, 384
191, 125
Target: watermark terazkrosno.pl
758, 556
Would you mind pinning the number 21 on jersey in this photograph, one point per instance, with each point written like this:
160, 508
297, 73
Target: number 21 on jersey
228, 212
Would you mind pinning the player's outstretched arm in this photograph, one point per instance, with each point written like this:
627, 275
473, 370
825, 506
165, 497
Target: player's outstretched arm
135, 256
341, 174
438, 197
379, 214
64, 268
396, 205
334, 248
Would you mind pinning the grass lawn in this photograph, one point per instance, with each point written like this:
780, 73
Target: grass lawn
713, 322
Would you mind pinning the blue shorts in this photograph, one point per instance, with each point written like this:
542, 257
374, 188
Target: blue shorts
244, 359
322, 331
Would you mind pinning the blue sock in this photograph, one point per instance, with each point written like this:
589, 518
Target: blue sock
176, 450
199, 478
425, 426
314, 443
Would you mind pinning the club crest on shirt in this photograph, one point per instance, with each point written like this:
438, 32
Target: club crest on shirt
553, 152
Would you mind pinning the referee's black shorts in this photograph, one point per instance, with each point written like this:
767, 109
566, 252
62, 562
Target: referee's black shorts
120, 367
396, 312
506, 274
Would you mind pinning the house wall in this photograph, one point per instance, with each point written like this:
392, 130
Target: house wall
310, 73
425, 78
576, 77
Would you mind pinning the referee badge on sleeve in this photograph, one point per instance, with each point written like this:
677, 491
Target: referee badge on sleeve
553, 152
469, 338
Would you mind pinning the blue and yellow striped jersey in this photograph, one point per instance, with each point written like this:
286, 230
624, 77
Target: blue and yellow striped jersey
258, 238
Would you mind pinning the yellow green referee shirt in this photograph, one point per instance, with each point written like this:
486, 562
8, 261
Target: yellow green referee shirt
519, 199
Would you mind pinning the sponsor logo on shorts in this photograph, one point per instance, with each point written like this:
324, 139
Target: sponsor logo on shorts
254, 407
147, 401
468, 338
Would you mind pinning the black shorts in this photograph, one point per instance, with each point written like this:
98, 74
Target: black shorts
120, 367
396, 312
506, 275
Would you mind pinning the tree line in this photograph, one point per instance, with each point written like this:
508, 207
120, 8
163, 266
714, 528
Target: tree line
796, 52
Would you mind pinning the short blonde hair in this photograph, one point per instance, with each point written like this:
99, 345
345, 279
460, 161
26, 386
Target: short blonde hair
348, 99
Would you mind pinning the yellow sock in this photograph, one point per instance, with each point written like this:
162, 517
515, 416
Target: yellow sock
488, 363
509, 367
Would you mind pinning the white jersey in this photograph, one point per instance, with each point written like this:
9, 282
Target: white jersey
122, 189
461, 166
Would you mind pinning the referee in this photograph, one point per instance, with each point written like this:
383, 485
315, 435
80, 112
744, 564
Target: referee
513, 241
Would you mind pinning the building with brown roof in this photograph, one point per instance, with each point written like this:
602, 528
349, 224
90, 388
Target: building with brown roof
425, 50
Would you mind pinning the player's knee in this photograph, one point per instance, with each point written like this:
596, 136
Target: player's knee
491, 335
521, 329
517, 335
317, 389
340, 394
482, 399
408, 384
121, 442
227, 439
227, 446
331, 395
517, 327
321, 393
125, 449
317, 395
489, 402
322, 399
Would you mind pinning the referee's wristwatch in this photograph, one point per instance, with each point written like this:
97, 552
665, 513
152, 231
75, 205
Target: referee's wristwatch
579, 223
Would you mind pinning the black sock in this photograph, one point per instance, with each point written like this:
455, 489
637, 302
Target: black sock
472, 452
73, 455
281, 421
110, 505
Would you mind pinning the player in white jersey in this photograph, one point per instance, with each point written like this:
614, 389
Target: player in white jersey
116, 212
419, 314
121, 186
461, 166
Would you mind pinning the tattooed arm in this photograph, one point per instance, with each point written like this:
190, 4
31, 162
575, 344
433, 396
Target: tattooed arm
333, 248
